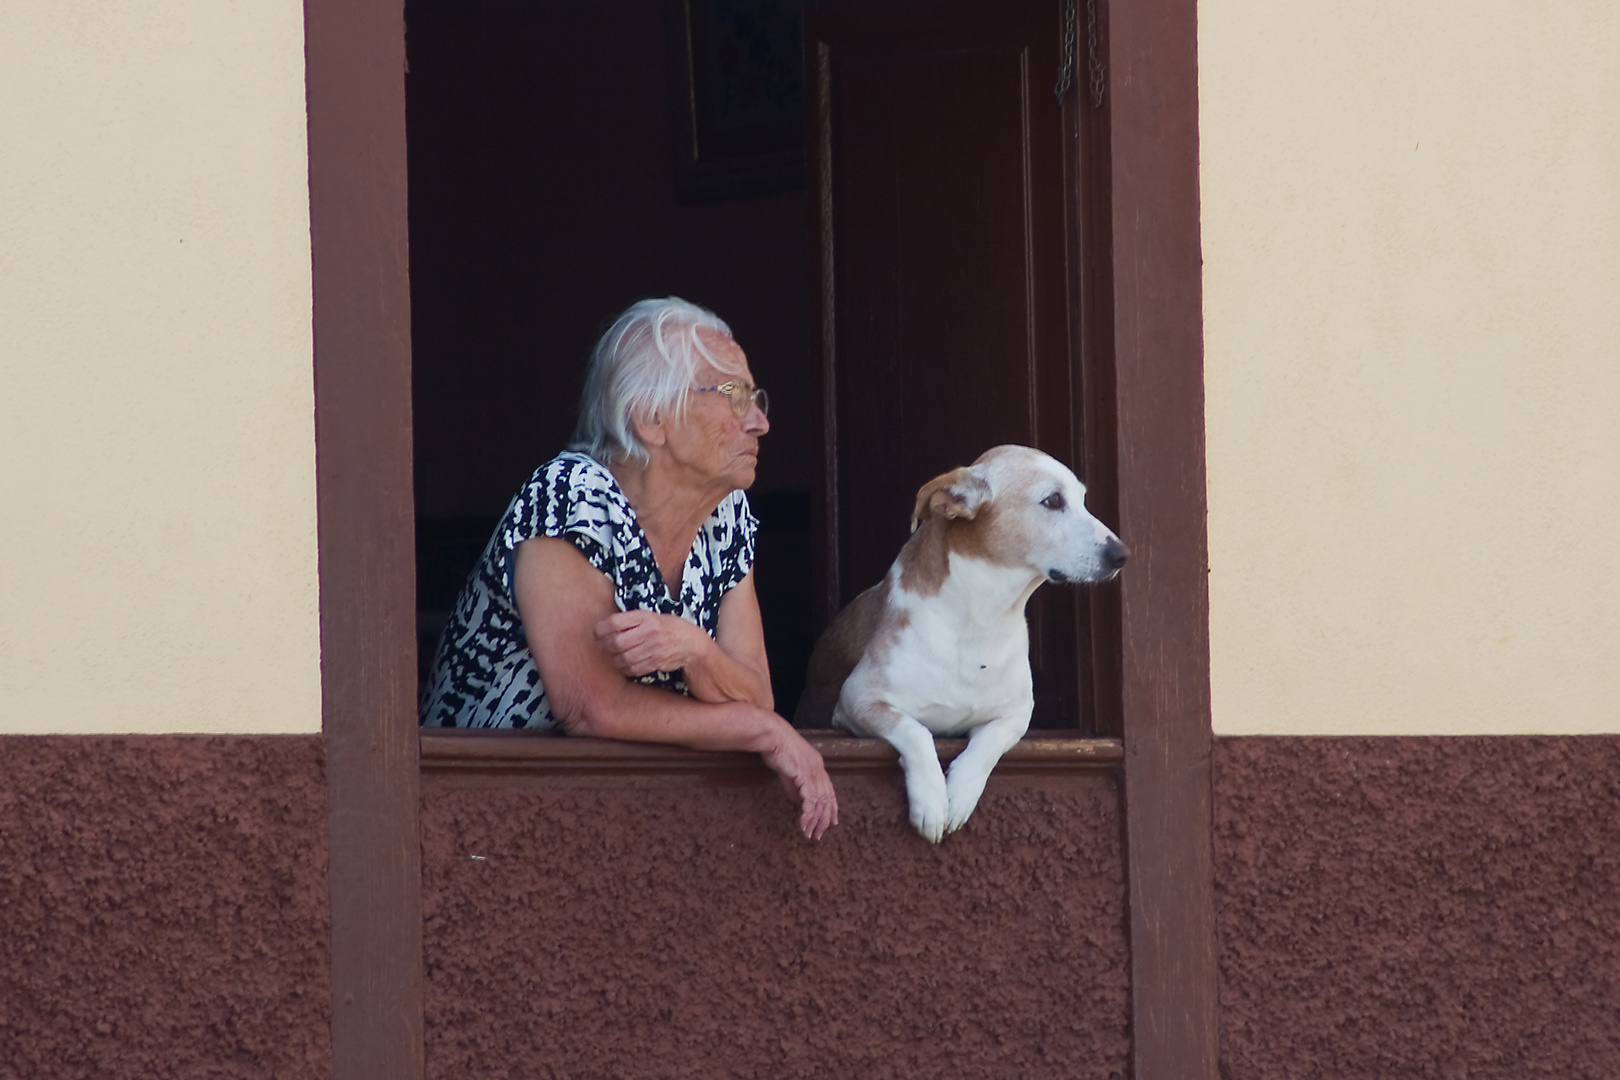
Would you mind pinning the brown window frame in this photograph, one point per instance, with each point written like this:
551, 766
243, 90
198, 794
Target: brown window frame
1146, 371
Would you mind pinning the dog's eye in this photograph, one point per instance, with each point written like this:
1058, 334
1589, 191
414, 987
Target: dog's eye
1054, 501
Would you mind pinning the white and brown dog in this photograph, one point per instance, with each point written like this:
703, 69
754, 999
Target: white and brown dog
939, 646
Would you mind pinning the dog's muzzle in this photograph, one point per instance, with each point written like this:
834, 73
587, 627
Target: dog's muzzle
1114, 557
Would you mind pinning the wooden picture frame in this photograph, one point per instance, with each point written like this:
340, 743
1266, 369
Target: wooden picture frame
736, 97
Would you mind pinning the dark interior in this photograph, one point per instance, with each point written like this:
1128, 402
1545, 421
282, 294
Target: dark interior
546, 194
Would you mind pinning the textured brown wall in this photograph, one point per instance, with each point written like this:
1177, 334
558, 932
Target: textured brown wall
1445, 907
669, 927
164, 907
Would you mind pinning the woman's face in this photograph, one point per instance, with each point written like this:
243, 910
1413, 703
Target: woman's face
714, 441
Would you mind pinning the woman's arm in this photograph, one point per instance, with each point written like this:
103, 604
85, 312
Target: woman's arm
562, 598
731, 666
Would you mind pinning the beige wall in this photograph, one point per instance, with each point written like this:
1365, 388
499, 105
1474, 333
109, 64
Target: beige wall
1411, 215
157, 551
1412, 328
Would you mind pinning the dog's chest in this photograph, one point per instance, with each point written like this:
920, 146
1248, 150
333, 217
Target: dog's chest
952, 675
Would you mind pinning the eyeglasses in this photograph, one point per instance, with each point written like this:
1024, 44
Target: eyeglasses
741, 395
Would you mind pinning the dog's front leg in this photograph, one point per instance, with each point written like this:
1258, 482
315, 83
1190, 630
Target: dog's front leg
925, 780
972, 766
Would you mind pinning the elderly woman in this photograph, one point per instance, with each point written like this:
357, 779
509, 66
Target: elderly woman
616, 598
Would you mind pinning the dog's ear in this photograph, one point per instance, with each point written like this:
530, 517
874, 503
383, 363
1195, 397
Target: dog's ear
960, 493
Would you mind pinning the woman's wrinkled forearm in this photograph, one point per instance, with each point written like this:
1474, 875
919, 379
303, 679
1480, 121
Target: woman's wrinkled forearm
715, 676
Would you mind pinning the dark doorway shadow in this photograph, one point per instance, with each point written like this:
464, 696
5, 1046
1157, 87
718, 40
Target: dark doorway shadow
546, 195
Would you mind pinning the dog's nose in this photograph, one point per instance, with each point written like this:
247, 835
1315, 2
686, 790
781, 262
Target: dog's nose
1115, 553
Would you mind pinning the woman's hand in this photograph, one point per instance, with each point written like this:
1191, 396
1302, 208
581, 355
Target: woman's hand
804, 774
641, 642
728, 667
567, 607
638, 642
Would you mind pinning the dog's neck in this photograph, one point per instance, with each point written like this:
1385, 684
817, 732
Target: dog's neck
984, 592
957, 571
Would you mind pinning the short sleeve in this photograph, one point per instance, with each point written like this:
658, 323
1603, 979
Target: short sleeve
575, 498
571, 497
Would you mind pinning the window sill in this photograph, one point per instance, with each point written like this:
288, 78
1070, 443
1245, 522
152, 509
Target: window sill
451, 751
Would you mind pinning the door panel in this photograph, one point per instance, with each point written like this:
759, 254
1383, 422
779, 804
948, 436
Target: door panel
937, 169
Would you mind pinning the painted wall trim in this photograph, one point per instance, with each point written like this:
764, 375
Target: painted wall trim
355, 53
1152, 100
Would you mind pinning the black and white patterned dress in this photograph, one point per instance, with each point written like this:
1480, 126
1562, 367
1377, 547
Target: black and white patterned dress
484, 674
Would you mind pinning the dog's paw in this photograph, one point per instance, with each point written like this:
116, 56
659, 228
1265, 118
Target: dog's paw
962, 795
929, 811
928, 818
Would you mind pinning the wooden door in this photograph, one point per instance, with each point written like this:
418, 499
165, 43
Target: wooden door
938, 184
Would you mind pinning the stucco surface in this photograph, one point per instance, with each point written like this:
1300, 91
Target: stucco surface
1436, 908
1411, 231
681, 928
157, 445
165, 909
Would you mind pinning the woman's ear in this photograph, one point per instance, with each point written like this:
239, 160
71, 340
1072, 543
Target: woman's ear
650, 430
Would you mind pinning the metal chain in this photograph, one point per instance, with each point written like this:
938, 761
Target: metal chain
1094, 62
1066, 72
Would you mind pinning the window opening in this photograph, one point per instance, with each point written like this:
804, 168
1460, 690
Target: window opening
566, 160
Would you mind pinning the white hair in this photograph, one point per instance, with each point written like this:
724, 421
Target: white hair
643, 367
